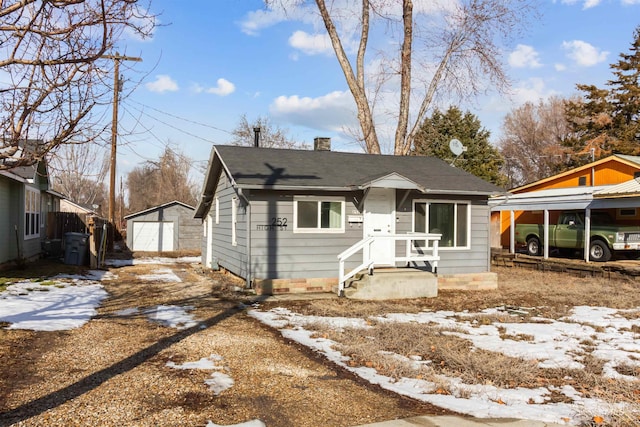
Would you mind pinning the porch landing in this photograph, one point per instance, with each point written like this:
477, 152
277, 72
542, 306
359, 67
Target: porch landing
392, 283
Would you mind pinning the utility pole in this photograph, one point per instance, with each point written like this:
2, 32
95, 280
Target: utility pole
117, 88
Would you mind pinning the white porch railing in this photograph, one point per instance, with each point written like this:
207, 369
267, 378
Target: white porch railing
428, 253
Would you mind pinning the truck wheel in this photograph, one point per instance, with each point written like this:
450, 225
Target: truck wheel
599, 251
533, 246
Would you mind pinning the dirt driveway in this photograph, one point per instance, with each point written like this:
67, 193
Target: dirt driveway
113, 370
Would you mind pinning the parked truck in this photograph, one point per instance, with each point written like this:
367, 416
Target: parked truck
567, 235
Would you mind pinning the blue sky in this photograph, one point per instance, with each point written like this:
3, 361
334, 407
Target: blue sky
210, 62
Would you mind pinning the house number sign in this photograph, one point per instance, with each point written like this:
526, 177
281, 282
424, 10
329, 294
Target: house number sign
277, 224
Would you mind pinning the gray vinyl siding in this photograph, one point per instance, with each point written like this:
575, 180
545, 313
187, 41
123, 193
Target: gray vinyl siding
230, 257
278, 252
455, 261
9, 204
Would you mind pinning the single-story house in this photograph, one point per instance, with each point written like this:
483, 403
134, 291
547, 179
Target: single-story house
281, 218
165, 228
25, 201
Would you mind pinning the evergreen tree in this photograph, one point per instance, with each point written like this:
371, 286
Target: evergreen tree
607, 121
480, 158
625, 97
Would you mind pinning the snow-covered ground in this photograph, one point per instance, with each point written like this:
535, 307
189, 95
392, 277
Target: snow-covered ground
66, 302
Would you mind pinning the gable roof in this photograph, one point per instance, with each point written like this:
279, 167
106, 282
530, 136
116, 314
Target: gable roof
286, 169
252, 167
633, 161
163, 206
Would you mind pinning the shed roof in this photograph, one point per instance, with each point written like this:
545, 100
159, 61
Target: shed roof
552, 199
252, 167
629, 188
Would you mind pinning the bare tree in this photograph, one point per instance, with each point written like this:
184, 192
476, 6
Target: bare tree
453, 49
533, 141
156, 183
78, 171
269, 134
54, 73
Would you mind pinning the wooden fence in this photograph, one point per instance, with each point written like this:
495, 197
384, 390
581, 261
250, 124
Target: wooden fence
60, 223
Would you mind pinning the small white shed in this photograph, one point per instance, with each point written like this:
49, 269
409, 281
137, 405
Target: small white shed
165, 228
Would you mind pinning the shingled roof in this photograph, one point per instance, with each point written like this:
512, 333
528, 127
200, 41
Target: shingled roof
252, 167
323, 170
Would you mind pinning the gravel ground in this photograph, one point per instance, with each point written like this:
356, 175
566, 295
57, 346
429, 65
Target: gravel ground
112, 371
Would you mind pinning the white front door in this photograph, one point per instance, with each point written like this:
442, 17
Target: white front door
379, 220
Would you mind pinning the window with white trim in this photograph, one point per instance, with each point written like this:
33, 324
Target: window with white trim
31, 213
450, 219
313, 214
234, 221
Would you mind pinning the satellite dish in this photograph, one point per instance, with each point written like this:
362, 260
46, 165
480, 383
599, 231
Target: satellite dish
456, 148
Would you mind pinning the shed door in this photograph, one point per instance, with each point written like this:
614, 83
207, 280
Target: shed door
379, 220
153, 236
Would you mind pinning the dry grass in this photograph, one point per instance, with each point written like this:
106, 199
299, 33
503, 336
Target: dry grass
432, 353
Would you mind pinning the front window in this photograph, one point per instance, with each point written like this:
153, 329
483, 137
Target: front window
31, 213
318, 214
450, 219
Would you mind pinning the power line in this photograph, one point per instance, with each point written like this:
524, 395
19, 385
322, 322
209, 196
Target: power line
181, 118
177, 128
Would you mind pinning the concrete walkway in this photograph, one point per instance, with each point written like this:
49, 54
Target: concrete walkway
458, 421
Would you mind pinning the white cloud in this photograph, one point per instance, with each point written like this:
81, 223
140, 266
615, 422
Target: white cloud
588, 4
583, 53
285, 10
162, 83
224, 87
531, 90
524, 56
311, 44
560, 67
331, 112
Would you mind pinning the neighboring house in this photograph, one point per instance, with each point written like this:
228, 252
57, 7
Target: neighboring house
67, 205
164, 228
25, 201
279, 218
607, 184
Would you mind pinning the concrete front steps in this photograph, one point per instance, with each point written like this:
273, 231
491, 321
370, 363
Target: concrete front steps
392, 283
399, 283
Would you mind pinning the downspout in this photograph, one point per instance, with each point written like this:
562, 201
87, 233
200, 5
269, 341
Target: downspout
247, 215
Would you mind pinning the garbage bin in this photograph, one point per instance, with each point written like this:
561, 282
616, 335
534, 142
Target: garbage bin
75, 248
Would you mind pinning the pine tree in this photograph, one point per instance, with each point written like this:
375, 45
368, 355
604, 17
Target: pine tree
480, 158
607, 121
625, 97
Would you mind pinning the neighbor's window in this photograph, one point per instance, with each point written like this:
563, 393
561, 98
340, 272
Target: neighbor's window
318, 214
450, 219
31, 213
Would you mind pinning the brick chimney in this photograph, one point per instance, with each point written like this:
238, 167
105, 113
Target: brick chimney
322, 144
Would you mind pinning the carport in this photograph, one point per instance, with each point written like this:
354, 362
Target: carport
620, 196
